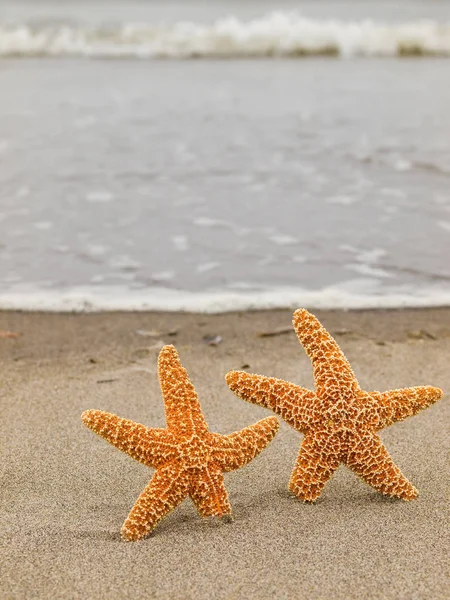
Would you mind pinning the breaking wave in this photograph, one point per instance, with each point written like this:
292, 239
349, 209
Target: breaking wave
277, 34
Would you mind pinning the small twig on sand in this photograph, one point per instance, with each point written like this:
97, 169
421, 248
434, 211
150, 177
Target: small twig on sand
274, 332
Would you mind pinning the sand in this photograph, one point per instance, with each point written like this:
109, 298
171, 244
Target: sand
65, 492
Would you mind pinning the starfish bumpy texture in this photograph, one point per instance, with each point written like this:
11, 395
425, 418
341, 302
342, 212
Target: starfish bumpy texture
339, 420
190, 461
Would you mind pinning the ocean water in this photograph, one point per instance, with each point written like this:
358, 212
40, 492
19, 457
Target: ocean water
222, 155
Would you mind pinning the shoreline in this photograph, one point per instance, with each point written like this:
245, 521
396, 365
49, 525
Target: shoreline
62, 334
66, 492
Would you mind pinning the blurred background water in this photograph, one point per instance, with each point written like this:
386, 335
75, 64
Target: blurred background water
218, 155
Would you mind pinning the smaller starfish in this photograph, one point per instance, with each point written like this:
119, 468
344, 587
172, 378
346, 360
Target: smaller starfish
339, 420
190, 461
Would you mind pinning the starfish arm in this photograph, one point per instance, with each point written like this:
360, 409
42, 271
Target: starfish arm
153, 447
290, 401
332, 371
237, 449
209, 494
316, 462
396, 405
183, 413
168, 487
370, 460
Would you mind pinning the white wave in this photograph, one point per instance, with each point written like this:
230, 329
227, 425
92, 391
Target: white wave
84, 299
276, 34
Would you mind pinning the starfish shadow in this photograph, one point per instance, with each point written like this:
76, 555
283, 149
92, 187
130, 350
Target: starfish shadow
337, 490
100, 535
244, 506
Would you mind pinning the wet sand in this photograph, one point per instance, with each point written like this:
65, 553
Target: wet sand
65, 492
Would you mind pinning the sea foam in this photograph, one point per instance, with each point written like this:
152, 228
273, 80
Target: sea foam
277, 34
110, 298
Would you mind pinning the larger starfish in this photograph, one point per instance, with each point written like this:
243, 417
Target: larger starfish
190, 461
340, 420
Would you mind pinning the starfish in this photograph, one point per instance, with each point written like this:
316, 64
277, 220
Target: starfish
339, 420
189, 460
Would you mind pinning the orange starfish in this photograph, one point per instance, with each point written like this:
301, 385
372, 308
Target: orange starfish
190, 461
339, 420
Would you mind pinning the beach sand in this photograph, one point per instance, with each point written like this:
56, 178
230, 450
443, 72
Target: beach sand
65, 492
